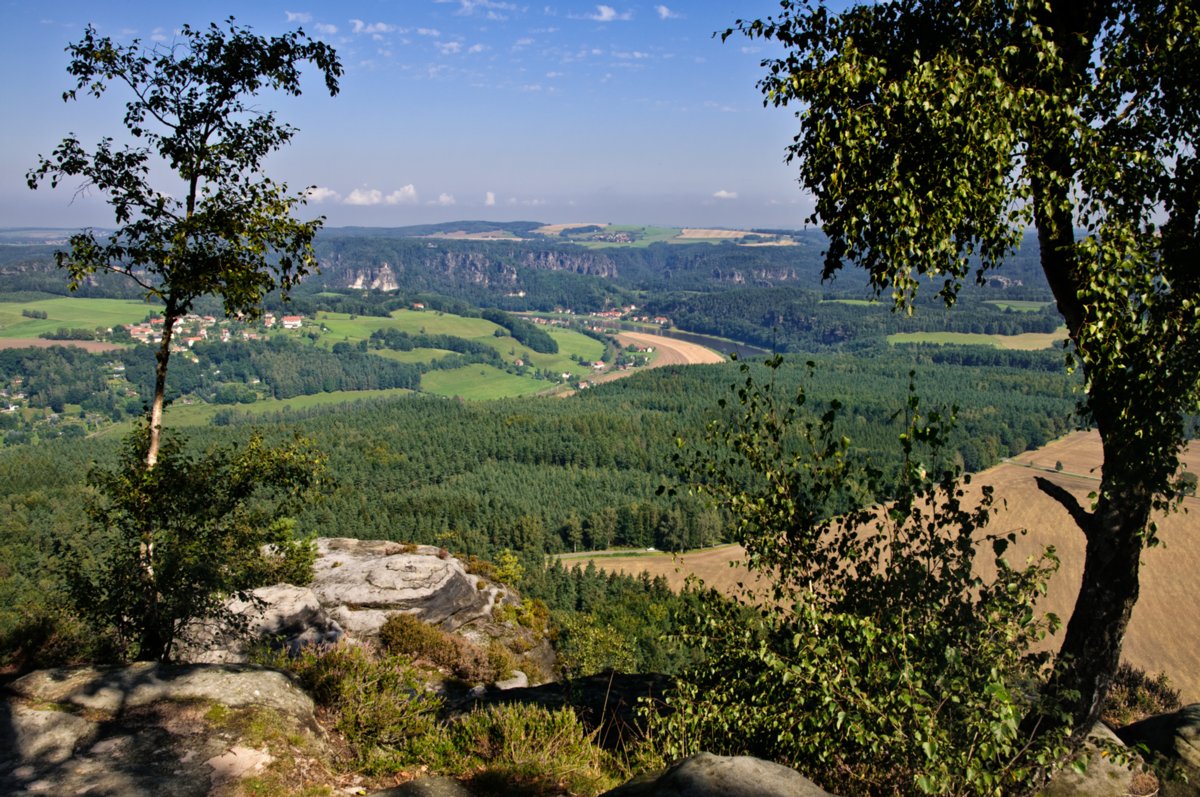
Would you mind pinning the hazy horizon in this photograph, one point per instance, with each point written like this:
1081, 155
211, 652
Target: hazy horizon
458, 109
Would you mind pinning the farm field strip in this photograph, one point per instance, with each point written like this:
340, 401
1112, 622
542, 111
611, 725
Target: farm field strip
1027, 341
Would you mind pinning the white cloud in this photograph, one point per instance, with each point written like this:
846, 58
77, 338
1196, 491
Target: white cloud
358, 26
723, 194
403, 196
326, 28
319, 193
434, 32
523, 42
158, 35
449, 48
445, 200
609, 14
665, 13
636, 55
491, 8
476, 48
364, 197
489, 198
298, 16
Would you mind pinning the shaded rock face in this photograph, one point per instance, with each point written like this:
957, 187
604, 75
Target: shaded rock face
1176, 738
708, 775
360, 583
292, 615
147, 729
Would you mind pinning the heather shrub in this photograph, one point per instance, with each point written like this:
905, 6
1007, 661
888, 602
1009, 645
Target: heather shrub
376, 698
463, 659
520, 749
1136, 695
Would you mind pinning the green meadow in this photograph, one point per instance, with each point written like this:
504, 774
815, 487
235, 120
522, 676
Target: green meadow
70, 312
479, 382
341, 327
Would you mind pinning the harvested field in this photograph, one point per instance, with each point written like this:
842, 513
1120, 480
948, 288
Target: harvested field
701, 232
555, 229
671, 351
1164, 633
42, 343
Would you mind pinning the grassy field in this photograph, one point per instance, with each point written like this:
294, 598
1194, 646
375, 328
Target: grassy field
69, 312
414, 356
1163, 631
342, 328
479, 382
1028, 341
853, 302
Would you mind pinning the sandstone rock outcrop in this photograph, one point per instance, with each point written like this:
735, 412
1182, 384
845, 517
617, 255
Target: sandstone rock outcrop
1103, 777
360, 583
150, 729
292, 615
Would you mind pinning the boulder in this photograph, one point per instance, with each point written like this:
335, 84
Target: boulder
360, 583
151, 730
1176, 738
114, 691
1103, 777
708, 775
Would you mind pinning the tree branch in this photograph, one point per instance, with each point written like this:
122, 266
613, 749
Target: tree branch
1084, 519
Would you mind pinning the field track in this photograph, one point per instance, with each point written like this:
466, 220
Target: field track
1164, 633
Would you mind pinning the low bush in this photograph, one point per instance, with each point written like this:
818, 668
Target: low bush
1136, 695
461, 658
375, 698
520, 749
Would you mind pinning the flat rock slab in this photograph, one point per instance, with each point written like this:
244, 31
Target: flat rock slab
708, 775
360, 583
146, 730
114, 691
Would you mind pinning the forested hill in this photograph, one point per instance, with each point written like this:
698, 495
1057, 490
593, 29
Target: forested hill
534, 273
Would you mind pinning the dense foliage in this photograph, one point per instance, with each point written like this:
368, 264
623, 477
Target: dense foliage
880, 661
534, 475
167, 545
933, 135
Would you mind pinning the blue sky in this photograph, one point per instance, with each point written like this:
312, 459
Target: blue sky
457, 109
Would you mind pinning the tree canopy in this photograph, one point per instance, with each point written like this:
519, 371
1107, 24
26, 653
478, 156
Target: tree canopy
933, 133
230, 232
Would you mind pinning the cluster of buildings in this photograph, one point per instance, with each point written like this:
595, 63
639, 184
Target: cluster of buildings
192, 329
